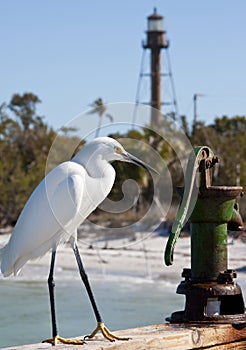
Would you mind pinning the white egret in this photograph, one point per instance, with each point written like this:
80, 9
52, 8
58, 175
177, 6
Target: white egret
52, 214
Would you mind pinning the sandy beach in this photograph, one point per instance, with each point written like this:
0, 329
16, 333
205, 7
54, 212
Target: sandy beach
125, 258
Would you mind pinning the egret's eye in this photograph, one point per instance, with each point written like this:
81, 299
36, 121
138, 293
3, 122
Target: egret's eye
118, 150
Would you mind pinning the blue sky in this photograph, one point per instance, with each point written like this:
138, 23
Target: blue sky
71, 52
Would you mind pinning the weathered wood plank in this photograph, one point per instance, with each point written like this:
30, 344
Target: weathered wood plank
164, 336
232, 346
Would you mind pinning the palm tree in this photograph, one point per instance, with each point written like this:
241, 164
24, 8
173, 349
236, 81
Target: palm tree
100, 108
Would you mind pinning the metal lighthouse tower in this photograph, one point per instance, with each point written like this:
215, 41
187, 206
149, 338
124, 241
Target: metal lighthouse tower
160, 97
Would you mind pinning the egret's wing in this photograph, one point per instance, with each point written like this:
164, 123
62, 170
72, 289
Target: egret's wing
65, 202
52, 209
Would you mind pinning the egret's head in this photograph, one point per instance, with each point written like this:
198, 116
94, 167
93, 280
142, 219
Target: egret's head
112, 150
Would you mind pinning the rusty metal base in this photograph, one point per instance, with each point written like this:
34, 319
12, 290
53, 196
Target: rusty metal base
180, 317
198, 296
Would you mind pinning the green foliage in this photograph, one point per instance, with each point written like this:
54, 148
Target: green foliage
25, 141
100, 108
63, 148
27, 150
147, 142
231, 148
226, 136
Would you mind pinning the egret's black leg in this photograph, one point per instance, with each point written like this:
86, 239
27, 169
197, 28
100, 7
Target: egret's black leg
100, 325
51, 284
86, 283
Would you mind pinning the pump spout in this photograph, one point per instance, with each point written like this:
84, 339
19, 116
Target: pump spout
236, 222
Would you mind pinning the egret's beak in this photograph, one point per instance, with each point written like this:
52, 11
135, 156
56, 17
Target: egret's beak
132, 159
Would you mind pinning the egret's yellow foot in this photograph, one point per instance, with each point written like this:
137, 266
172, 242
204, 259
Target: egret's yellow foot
106, 333
57, 339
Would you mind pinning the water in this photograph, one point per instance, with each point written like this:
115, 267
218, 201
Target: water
25, 314
125, 298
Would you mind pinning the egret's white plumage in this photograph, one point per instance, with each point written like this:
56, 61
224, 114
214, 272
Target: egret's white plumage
60, 203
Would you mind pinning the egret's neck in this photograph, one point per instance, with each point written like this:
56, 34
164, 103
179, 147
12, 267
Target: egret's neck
96, 166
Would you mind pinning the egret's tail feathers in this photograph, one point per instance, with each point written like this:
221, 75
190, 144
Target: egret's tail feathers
3, 254
7, 267
2, 250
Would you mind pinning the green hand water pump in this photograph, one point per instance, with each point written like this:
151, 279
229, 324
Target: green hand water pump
211, 293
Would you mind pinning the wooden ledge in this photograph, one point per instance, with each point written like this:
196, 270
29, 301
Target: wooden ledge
164, 336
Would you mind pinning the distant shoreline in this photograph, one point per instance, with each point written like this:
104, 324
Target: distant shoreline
142, 258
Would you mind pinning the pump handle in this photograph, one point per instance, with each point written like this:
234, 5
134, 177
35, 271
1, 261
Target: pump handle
188, 200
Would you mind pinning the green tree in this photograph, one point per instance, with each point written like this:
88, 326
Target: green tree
226, 137
100, 109
25, 141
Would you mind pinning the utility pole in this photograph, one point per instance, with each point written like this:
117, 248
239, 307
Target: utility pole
195, 96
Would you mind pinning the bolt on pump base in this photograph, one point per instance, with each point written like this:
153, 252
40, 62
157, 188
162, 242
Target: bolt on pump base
212, 295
